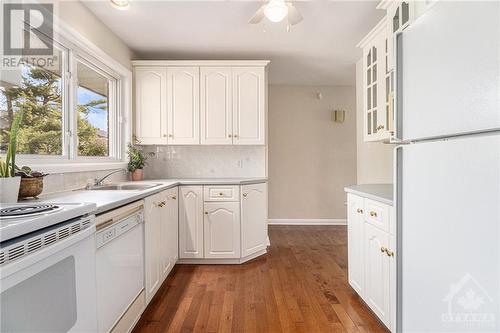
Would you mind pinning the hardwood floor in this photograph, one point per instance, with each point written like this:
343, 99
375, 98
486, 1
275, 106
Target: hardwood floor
299, 286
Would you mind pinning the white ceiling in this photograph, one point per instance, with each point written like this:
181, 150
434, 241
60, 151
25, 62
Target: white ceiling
320, 50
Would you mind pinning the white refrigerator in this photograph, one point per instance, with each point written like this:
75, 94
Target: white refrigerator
448, 169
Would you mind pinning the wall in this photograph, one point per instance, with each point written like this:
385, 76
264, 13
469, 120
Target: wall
60, 182
311, 158
205, 161
83, 21
374, 158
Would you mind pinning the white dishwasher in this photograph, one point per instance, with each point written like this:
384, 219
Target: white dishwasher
119, 263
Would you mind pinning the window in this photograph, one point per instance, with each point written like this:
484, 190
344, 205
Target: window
71, 110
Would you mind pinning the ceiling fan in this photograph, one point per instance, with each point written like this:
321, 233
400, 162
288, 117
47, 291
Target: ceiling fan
276, 11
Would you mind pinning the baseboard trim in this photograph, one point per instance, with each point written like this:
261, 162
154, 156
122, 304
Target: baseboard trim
307, 221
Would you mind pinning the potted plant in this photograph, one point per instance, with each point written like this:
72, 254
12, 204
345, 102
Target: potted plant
31, 182
137, 161
9, 182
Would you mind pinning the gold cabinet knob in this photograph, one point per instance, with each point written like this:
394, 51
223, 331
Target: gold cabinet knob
206, 213
174, 198
235, 135
359, 210
373, 214
383, 249
379, 127
170, 135
221, 194
164, 135
245, 195
389, 253
229, 136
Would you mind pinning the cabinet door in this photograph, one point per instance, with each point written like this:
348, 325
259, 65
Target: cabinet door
392, 284
151, 105
183, 105
216, 106
172, 223
249, 104
355, 241
152, 225
164, 235
191, 222
253, 218
222, 230
377, 272
374, 83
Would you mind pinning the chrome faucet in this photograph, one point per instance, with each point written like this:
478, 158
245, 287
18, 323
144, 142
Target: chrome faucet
99, 181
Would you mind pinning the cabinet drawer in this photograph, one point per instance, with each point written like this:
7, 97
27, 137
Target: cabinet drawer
221, 193
377, 214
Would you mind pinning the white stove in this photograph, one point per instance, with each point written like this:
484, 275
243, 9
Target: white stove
23, 218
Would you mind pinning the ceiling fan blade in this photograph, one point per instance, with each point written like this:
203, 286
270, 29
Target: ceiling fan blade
294, 16
258, 16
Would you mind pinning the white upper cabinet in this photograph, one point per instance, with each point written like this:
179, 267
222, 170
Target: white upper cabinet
151, 105
183, 93
249, 104
201, 102
216, 106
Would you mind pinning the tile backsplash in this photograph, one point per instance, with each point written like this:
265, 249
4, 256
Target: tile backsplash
205, 161
59, 182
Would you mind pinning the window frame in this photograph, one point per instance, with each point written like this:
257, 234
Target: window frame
73, 47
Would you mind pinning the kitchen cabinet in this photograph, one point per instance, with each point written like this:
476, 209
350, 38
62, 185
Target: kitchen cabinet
231, 227
161, 238
152, 231
151, 105
371, 255
201, 102
191, 222
216, 106
183, 105
399, 15
249, 103
253, 218
222, 230
376, 116
355, 235
377, 272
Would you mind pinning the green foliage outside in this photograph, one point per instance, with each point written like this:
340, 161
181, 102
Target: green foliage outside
40, 99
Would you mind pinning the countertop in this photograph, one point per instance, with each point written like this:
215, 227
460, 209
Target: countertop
378, 192
110, 199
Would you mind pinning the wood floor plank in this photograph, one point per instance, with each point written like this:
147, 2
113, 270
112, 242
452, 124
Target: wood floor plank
300, 285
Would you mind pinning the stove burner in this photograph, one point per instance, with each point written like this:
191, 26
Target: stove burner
28, 210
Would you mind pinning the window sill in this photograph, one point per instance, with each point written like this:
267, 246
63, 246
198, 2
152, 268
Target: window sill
75, 167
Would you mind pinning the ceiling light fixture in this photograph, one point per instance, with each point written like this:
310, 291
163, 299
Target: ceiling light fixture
276, 10
120, 4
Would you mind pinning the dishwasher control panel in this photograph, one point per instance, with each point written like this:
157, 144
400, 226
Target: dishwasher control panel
118, 228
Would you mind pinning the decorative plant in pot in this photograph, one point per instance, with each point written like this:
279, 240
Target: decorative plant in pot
137, 161
31, 182
9, 182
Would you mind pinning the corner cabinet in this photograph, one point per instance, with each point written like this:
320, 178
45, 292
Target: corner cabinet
224, 224
201, 102
372, 255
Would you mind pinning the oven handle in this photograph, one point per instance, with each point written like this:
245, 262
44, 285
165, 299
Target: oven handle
22, 263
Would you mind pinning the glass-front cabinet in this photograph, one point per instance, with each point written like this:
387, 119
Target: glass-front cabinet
374, 83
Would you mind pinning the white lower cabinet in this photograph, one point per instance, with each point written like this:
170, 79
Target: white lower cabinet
191, 222
371, 253
222, 222
161, 238
222, 230
253, 218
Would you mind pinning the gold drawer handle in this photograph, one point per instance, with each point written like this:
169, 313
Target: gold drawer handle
373, 214
174, 198
379, 127
161, 204
359, 210
389, 253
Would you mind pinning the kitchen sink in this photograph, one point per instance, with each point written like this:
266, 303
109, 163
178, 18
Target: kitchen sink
123, 187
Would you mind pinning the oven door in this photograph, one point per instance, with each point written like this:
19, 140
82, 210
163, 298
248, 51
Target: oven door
52, 290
